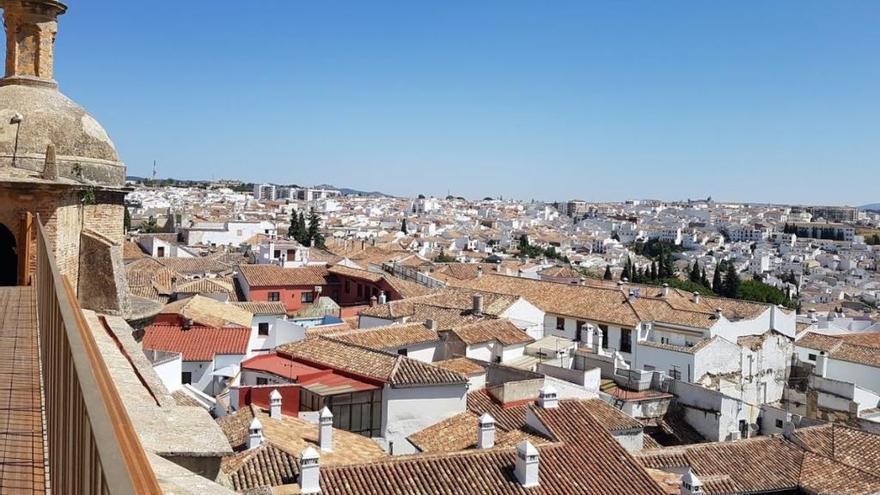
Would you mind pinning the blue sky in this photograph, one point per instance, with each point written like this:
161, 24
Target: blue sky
752, 101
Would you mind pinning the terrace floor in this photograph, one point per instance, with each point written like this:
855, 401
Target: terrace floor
22, 456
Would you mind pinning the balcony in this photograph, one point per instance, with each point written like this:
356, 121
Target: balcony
62, 424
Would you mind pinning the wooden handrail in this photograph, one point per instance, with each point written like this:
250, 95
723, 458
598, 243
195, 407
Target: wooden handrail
92, 444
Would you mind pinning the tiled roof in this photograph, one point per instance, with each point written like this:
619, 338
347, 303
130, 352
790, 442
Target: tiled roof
462, 299
390, 336
355, 273
613, 304
262, 308
207, 264
275, 462
394, 369
209, 312
459, 432
861, 348
199, 343
773, 463
132, 251
208, 286
403, 287
276, 276
586, 461
462, 365
489, 330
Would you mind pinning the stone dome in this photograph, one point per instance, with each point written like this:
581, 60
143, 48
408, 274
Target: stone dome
32, 117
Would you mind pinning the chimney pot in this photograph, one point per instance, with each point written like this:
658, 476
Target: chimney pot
430, 324
665, 290
478, 305
690, 484
527, 460
696, 298
373, 301
479, 271
718, 313
275, 404
309, 471
325, 432
383, 298
547, 397
486, 432
255, 434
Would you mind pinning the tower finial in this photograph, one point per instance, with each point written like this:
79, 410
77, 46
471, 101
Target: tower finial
31, 26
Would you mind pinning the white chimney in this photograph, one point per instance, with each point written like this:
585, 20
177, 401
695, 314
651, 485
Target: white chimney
547, 397
498, 266
690, 484
478, 305
813, 317
821, 368
526, 464
788, 425
598, 338
696, 298
275, 404
583, 281
309, 471
255, 434
718, 313
486, 432
479, 271
325, 430
665, 290
383, 298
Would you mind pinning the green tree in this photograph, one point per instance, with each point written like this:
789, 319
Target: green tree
314, 232
654, 271
731, 281
695, 273
755, 290
443, 258
294, 231
403, 226
716, 279
608, 275
149, 226
301, 228
126, 220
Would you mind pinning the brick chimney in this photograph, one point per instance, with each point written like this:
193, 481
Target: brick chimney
31, 26
527, 460
309, 471
486, 432
325, 430
275, 404
255, 434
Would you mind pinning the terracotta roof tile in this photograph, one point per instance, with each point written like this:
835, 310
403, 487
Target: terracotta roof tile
199, 343
276, 276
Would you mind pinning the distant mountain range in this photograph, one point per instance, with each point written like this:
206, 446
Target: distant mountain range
872, 206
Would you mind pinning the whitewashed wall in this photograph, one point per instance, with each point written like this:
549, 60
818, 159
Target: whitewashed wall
411, 409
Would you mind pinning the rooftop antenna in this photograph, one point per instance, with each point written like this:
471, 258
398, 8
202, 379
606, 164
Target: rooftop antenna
154, 170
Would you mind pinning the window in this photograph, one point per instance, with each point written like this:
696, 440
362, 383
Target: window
811, 357
664, 340
263, 329
160, 251
402, 351
277, 254
560, 323
262, 381
274, 296
604, 329
186, 377
779, 423
625, 340
307, 297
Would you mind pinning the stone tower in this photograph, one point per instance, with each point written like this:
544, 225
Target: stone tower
56, 161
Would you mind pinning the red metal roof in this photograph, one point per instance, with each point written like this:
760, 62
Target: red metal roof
198, 343
277, 365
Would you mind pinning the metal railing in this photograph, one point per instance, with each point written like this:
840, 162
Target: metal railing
92, 445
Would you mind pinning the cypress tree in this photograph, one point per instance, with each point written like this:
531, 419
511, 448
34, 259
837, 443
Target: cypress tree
625, 273
695, 273
403, 226
607, 275
301, 229
126, 220
314, 232
731, 281
716, 280
653, 270
703, 279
